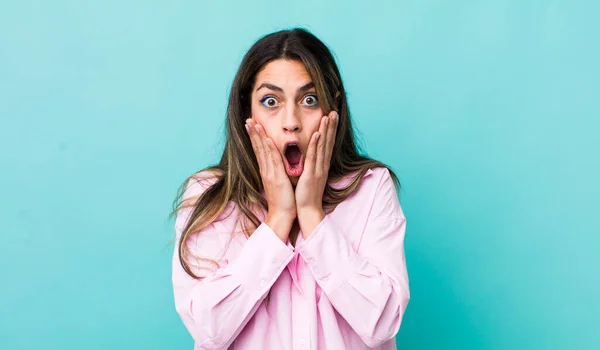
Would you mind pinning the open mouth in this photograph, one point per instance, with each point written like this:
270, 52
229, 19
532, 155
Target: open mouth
293, 154
293, 159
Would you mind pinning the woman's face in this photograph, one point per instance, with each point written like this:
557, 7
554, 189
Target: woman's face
284, 102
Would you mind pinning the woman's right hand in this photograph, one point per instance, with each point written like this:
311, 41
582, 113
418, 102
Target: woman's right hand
278, 187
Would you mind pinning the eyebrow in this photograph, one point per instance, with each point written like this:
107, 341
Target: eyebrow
277, 88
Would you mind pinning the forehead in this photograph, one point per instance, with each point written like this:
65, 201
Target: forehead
284, 73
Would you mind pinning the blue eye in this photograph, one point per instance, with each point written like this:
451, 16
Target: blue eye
310, 100
269, 101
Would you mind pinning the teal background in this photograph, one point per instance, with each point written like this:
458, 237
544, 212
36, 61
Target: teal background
488, 111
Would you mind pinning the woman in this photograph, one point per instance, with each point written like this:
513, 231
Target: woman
294, 240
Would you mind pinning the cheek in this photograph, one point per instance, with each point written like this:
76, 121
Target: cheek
269, 127
260, 117
272, 132
256, 113
313, 123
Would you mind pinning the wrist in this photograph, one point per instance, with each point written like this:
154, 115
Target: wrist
311, 213
309, 219
281, 224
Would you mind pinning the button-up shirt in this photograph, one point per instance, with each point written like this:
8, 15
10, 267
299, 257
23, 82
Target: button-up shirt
344, 287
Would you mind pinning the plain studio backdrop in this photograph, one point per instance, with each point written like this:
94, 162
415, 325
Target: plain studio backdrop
487, 110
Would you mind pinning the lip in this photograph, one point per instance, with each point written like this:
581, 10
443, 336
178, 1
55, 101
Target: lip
293, 171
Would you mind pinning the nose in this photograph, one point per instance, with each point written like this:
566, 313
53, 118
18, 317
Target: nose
291, 120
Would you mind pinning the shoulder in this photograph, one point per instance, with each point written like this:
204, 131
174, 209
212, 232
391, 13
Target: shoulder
377, 178
380, 190
374, 181
189, 193
199, 182
380, 172
386, 202
374, 199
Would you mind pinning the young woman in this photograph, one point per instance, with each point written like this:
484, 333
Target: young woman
294, 240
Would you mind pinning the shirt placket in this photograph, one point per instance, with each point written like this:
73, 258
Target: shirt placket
302, 339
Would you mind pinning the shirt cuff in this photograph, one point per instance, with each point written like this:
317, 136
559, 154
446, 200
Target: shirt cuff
330, 257
262, 260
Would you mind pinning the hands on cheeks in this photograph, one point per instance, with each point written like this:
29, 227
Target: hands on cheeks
306, 203
278, 188
312, 181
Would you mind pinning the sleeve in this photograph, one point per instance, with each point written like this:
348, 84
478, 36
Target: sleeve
367, 286
215, 307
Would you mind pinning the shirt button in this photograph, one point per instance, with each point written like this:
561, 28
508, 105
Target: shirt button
301, 341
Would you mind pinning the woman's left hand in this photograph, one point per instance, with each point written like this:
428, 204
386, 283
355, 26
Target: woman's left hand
312, 181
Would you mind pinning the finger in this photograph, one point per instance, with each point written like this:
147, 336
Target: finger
266, 152
331, 132
276, 159
311, 153
251, 134
256, 144
260, 150
320, 159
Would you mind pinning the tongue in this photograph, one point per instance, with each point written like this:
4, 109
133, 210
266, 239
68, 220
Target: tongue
293, 155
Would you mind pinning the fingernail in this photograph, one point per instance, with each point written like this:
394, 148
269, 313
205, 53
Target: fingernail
317, 137
326, 120
256, 127
335, 116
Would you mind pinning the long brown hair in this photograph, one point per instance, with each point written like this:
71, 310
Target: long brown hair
237, 177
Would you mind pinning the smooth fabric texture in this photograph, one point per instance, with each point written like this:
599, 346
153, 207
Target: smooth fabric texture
345, 287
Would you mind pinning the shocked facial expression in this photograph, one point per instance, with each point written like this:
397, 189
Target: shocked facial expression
285, 103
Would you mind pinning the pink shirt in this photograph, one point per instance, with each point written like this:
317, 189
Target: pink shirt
345, 287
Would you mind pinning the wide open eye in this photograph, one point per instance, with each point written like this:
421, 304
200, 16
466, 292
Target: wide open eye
269, 101
310, 100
